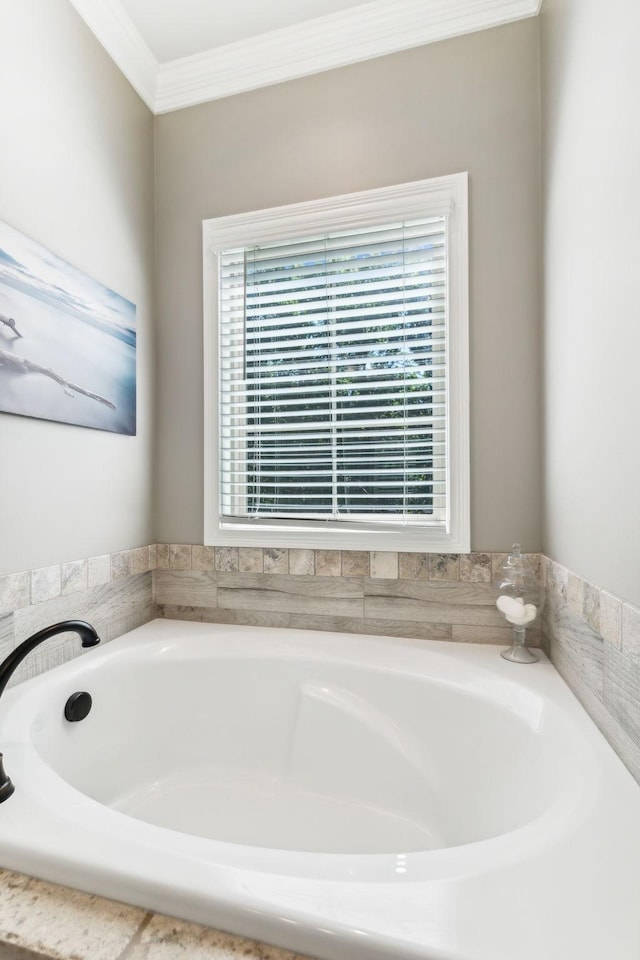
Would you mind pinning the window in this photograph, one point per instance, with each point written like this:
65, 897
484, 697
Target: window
336, 372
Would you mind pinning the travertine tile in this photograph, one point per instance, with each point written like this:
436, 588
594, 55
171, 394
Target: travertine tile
152, 556
59, 924
74, 576
341, 596
250, 618
251, 560
6, 635
410, 629
383, 564
15, 589
301, 562
591, 606
444, 566
98, 570
443, 591
432, 602
355, 563
497, 561
120, 564
622, 689
226, 558
127, 620
103, 606
475, 567
186, 588
475, 633
578, 648
162, 556
611, 619
557, 580
328, 563
575, 594
413, 566
180, 556
631, 629
139, 560
276, 560
46, 583
166, 938
535, 560
57, 650
602, 673
626, 748
202, 558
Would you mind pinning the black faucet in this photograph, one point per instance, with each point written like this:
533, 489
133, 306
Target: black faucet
89, 638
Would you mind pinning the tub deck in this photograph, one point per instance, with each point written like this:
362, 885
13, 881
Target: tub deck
45, 921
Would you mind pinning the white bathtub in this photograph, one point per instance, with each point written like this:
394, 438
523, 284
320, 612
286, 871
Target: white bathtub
342, 796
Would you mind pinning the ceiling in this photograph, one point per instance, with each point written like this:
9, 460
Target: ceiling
177, 53
178, 28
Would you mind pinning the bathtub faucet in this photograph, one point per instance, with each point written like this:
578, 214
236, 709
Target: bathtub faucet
89, 638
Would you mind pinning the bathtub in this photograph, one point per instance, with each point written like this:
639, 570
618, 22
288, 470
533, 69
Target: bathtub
341, 796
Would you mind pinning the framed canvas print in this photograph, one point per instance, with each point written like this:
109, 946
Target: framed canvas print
67, 342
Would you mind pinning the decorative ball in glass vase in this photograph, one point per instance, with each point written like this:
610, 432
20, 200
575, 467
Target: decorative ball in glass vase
520, 601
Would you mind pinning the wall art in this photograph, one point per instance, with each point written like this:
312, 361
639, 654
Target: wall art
67, 342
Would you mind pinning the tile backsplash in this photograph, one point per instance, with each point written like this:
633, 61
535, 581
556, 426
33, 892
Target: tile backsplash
470, 568
434, 596
114, 592
593, 639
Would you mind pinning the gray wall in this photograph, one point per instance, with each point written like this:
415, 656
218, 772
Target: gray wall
591, 149
76, 175
470, 103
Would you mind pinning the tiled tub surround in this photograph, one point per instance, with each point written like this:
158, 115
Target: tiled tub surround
592, 637
593, 640
425, 596
114, 592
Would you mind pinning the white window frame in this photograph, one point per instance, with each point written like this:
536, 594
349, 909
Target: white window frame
441, 196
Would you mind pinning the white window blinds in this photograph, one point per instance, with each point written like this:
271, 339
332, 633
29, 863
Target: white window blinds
333, 377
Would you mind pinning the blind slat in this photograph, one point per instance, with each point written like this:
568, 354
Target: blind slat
358, 356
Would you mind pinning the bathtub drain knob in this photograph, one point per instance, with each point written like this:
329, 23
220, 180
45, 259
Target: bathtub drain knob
77, 706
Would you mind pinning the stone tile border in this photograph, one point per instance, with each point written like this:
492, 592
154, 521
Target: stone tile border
415, 595
593, 639
44, 584
476, 567
29, 587
616, 620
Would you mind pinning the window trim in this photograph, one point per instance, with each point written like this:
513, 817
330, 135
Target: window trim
441, 196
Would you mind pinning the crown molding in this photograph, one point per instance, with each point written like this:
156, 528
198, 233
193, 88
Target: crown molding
369, 30
115, 30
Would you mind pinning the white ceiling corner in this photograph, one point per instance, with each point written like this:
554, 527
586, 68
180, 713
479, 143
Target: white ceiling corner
370, 29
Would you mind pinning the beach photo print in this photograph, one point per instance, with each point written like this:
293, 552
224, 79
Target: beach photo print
67, 342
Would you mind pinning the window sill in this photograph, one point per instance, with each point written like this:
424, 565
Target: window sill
405, 539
